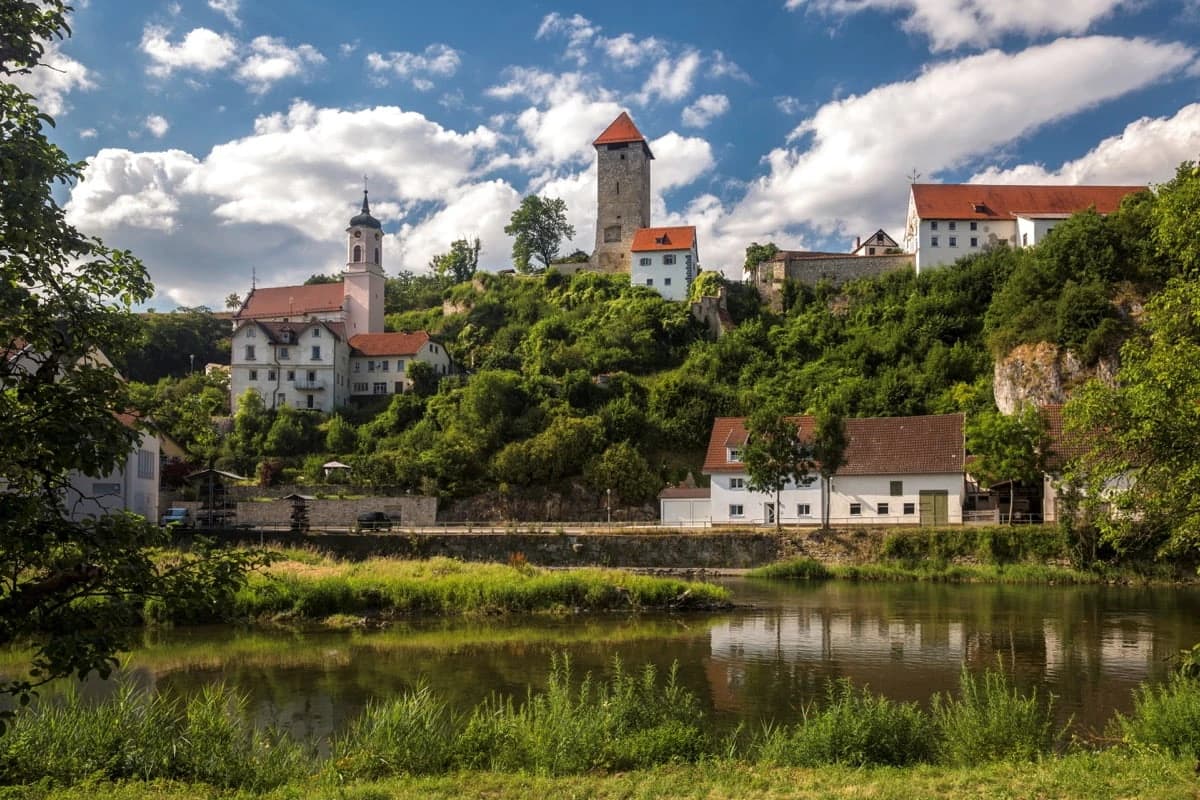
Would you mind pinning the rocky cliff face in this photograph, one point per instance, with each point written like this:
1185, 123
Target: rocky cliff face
1042, 373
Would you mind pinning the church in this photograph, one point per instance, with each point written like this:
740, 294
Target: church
320, 346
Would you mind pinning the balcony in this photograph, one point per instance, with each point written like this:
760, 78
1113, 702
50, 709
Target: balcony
305, 385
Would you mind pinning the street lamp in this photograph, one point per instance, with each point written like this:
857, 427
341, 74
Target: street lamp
608, 504
191, 363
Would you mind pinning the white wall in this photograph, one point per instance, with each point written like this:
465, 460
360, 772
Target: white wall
132, 486
986, 232
722, 496
360, 371
680, 274
872, 490
684, 510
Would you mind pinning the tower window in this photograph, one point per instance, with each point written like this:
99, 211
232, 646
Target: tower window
376, 255
612, 233
618, 188
357, 253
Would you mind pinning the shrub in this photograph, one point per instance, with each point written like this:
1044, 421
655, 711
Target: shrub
992, 721
805, 569
1166, 717
854, 727
412, 734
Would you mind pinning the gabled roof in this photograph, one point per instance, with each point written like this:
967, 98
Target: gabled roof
680, 238
275, 330
879, 238
622, 131
388, 344
287, 301
924, 445
1063, 448
984, 201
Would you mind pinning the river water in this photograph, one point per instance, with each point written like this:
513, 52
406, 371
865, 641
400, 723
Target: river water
1088, 646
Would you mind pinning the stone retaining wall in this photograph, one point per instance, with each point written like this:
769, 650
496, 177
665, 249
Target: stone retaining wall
410, 510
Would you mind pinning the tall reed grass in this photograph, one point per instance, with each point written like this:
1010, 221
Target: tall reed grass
991, 720
1166, 717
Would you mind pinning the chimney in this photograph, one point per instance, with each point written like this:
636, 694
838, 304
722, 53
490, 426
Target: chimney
857, 242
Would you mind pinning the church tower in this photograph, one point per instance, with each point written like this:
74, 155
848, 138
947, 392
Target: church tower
363, 279
622, 192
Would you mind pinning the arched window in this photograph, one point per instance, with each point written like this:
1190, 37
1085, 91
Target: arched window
357, 253
376, 255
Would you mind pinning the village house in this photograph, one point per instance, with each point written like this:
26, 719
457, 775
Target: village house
897, 470
665, 259
317, 346
877, 244
947, 221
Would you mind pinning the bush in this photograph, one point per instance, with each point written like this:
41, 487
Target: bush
855, 728
413, 734
804, 569
992, 721
1166, 717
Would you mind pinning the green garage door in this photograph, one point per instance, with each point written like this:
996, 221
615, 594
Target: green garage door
935, 508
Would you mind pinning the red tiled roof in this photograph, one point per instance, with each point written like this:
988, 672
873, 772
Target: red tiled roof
274, 330
389, 344
1063, 447
874, 446
683, 493
681, 238
983, 201
621, 130
286, 301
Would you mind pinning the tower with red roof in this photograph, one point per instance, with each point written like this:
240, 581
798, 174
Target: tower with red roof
623, 159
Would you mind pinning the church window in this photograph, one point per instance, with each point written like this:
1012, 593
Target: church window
376, 255
669, 258
357, 253
612, 233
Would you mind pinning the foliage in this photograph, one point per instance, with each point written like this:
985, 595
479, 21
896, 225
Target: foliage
175, 344
776, 454
1141, 435
624, 470
1176, 218
1009, 447
70, 587
1165, 717
991, 720
538, 227
410, 735
805, 569
318, 278
856, 728
340, 435
459, 264
409, 291
829, 451
756, 254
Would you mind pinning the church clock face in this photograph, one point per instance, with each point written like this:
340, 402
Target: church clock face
358, 234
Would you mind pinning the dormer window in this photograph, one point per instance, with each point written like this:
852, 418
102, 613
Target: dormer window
734, 454
316, 333
978, 208
250, 333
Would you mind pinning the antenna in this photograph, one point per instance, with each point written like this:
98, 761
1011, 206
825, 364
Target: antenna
253, 278
914, 176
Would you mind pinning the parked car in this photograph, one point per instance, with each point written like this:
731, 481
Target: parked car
179, 517
372, 521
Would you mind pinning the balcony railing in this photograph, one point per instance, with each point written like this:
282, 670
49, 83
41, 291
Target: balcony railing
305, 385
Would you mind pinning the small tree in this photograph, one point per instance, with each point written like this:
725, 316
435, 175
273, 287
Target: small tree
460, 263
829, 450
756, 254
775, 454
538, 226
1009, 448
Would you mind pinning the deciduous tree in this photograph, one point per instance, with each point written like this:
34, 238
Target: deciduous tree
775, 455
538, 227
460, 263
1009, 448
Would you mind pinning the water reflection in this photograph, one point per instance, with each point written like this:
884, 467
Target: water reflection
1089, 646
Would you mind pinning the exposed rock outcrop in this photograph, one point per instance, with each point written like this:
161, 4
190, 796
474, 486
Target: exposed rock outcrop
1042, 373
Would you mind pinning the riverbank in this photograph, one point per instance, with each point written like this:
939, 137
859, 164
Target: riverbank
309, 586
813, 570
1084, 776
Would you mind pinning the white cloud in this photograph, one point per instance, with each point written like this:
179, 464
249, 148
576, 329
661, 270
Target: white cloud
671, 79
278, 198
569, 110
88, 133
628, 51
845, 170
481, 209
271, 60
954, 23
789, 105
348, 48
229, 8
577, 29
679, 160
721, 66
437, 60
202, 50
57, 76
157, 125
704, 110
1147, 151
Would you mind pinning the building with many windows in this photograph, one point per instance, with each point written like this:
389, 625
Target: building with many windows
665, 259
317, 346
947, 221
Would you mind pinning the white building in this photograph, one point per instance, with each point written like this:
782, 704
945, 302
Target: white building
879, 243
948, 221
665, 259
296, 345
132, 486
897, 470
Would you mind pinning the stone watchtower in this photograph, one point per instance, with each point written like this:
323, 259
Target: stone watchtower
622, 192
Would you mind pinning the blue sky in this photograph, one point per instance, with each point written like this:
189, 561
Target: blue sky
229, 135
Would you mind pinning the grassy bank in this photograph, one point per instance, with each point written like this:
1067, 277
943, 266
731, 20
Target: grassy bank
1083, 776
313, 586
635, 725
811, 569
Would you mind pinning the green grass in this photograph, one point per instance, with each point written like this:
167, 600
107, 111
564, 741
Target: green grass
811, 569
1166, 717
315, 589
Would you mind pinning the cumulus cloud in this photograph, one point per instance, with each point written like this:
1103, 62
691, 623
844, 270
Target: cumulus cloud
201, 50
704, 110
577, 29
1147, 151
227, 8
51, 81
437, 60
789, 105
720, 66
278, 198
88, 133
623, 50
271, 60
628, 51
481, 209
671, 79
569, 109
845, 169
954, 23
157, 125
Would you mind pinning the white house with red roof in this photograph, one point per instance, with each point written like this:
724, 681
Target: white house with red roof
665, 259
299, 346
897, 470
132, 486
947, 221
